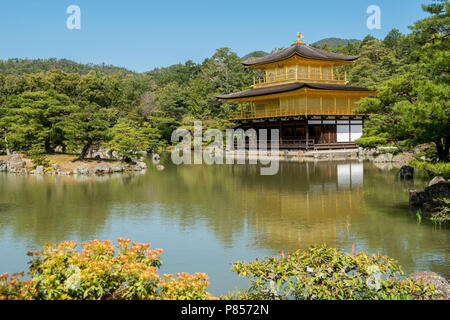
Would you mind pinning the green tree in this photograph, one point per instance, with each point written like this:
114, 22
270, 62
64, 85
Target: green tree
392, 39
130, 137
35, 118
413, 107
88, 126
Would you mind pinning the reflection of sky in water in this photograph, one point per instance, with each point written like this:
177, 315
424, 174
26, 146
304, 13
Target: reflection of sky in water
205, 217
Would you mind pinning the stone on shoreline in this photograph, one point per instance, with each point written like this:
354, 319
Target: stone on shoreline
441, 285
81, 170
438, 188
101, 168
160, 167
57, 167
383, 158
15, 163
117, 168
141, 165
39, 169
417, 198
403, 157
436, 180
3, 166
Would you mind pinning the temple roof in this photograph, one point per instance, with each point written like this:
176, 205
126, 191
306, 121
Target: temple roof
289, 87
300, 49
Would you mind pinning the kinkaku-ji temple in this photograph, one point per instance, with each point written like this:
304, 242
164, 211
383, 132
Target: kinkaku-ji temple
304, 96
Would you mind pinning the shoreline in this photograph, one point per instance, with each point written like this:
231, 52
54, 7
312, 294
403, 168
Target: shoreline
69, 164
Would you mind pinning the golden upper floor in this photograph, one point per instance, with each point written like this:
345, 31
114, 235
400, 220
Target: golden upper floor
299, 63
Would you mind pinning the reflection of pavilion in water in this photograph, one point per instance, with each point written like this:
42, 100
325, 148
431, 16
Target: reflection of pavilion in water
299, 219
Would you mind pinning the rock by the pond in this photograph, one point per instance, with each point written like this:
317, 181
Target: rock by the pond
160, 167
39, 169
403, 157
67, 173
3, 166
438, 188
384, 165
102, 168
117, 168
406, 172
59, 149
141, 165
23, 171
57, 167
418, 197
156, 158
437, 180
15, 163
81, 170
384, 157
441, 285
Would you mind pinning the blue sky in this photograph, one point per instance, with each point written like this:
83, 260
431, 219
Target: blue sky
141, 35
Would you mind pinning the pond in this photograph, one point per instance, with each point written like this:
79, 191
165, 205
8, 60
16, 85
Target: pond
205, 217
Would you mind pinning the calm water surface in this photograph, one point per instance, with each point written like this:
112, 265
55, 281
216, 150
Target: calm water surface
205, 217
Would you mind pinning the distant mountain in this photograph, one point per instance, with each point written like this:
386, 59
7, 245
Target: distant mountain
25, 66
255, 54
334, 42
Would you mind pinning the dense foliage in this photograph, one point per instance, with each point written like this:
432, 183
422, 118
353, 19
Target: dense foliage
326, 273
433, 169
128, 270
100, 271
412, 72
22, 66
128, 112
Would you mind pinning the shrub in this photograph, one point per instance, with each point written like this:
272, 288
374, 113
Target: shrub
371, 142
433, 169
326, 273
100, 271
37, 155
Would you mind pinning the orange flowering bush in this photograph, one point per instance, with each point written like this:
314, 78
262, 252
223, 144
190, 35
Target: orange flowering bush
99, 271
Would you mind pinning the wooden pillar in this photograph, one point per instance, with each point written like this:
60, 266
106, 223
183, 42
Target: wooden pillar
280, 141
307, 133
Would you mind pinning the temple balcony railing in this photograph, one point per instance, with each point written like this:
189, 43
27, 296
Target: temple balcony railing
289, 77
244, 115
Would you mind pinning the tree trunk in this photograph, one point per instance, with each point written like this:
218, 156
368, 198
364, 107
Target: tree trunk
8, 152
446, 148
85, 150
47, 147
443, 149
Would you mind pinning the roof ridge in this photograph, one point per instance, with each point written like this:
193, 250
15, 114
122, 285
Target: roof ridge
301, 49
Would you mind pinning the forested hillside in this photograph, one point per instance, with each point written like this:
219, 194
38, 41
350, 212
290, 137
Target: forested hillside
22, 66
335, 42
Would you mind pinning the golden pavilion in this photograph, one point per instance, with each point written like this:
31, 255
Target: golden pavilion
304, 96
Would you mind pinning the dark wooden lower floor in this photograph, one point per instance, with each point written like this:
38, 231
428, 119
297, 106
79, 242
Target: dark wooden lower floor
310, 133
